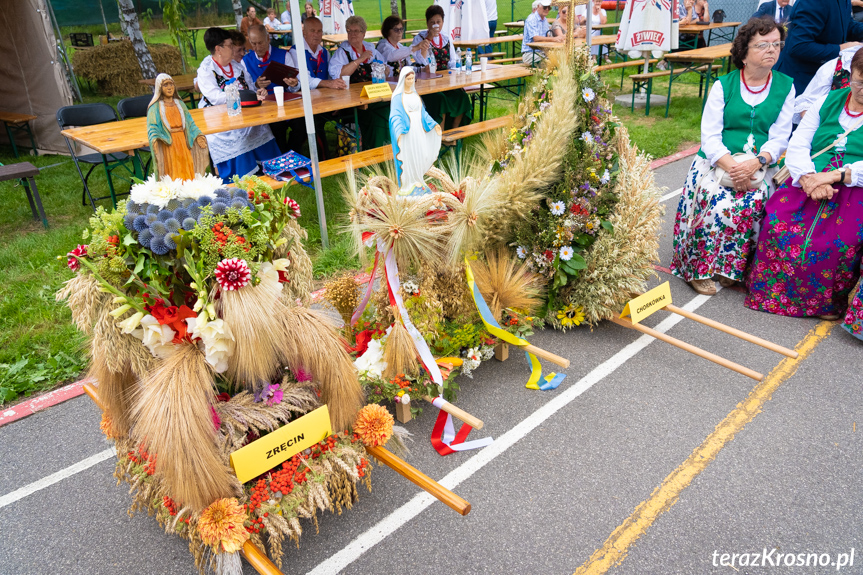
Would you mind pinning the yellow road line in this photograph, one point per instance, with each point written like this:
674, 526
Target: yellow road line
616, 547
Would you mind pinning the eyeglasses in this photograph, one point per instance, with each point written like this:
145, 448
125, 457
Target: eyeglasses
355, 31
401, 29
856, 84
765, 45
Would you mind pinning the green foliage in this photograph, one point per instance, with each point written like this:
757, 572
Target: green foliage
32, 373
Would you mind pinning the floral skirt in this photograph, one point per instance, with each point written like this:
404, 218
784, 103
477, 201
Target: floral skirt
808, 255
716, 227
854, 318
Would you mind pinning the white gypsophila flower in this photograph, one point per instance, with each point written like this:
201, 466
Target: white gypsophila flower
521, 252
487, 352
218, 340
411, 287
557, 208
566, 253
606, 177
587, 136
372, 361
156, 337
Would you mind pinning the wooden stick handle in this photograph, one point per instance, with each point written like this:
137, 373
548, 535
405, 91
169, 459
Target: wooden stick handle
690, 348
547, 355
422, 480
259, 560
459, 413
732, 331
94, 395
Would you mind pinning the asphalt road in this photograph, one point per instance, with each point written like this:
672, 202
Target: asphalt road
617, 449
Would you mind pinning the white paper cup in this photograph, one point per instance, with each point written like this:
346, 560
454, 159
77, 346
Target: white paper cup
347, 81
483, 64
279, 92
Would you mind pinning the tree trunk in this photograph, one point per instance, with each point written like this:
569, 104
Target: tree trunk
132, 28
404, 11
238, 13
394, 7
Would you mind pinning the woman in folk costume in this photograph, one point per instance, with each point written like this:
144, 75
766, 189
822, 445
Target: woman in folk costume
415, 136
834, 74
179, 148
744, 131
396, 54
235, 152
432, 44
810, 247
354, 58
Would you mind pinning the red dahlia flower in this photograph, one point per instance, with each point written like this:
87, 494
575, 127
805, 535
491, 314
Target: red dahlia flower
233, 274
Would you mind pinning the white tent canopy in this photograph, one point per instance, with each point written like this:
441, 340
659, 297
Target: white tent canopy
34, 80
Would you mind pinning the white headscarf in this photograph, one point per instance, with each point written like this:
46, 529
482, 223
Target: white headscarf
157, 90
400, 88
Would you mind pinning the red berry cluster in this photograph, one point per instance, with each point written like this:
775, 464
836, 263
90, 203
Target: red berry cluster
169, 505
361, 468
258, 199
225, 235
141, 457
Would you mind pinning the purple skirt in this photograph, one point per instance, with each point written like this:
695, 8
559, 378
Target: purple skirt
808, 255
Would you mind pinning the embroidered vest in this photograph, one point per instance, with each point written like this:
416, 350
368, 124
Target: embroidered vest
830, 128
363, 73
318, 67
740, 119
841, 77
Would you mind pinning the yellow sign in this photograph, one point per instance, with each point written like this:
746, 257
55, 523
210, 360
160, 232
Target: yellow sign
277, 447
381, 90
648, 302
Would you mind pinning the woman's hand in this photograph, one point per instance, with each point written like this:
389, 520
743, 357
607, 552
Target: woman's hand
742, 173
812, 183
438, 130
262, 94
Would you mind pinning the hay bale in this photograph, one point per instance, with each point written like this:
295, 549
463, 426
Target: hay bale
115, 70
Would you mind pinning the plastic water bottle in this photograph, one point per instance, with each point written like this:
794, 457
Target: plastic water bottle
468, 63
432, 64
458, 63
232, 94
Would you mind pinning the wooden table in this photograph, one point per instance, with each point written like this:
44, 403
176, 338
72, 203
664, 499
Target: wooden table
692, 61
17, 123
132, 134
724, 31
474, 44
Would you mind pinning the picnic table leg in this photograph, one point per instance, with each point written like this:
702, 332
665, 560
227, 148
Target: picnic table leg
11, 139
28, 183
649, 92
670, 82
110, 181
357, 126
138, 165
32, 139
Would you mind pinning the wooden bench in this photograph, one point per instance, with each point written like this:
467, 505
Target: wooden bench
25, 172
640, 81
17, 123
385, 153
623, 65
506, 61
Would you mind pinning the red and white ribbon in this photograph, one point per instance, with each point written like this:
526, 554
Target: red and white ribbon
444, 438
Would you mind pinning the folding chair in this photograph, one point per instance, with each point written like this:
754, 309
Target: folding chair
136, 107
90, 115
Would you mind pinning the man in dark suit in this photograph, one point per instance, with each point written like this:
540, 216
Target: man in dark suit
818, 29
776, 9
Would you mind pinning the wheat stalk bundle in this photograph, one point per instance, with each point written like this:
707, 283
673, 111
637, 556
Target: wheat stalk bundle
173, 418
400, 353
308, 341
507, 284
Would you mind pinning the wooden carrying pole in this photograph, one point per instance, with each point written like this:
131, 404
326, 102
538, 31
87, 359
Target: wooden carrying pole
422, 480
459, 413
256, 558
690, 348
732, 331
547, 355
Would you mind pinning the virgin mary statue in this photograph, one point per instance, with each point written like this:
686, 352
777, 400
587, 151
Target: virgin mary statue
179, 149
414, 134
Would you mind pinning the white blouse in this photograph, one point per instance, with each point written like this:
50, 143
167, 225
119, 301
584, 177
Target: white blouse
394, 53
822, 82
799, 156
341, 59
712, 123
418, 55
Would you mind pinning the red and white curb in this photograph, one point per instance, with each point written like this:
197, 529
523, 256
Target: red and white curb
50, 399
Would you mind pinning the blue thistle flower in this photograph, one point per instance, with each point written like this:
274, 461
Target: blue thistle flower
151, 218
173, 204
129, 221
205, 201
239, 203
170, 243
194, 211
140, 223
158, 246
173, 226
189, 224
158, 228
181, 214
187, 202
144, 238
165, 215
222, 193
133, 208
219, 208
151, 209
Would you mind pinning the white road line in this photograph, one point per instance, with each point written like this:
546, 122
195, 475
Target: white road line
670, 195
18, 494
421, 501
